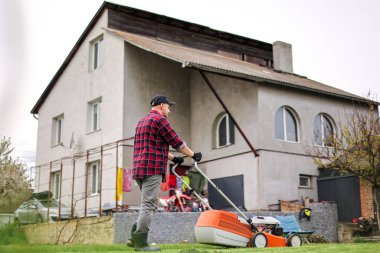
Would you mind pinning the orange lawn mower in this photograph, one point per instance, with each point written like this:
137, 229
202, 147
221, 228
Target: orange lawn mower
224, 228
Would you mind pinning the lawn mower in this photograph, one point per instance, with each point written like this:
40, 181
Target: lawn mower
224, 228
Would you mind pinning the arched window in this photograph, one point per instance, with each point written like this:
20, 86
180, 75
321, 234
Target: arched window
225, 132
286, 125
323, 129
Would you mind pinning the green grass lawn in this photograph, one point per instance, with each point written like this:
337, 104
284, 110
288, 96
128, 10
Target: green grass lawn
12, 240
190, 248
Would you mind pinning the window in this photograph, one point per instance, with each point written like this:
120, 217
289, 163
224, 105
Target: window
286, 125
323, 129
57, 130
94, 177
56, 184
97, 53
305, 181
225, 132
94, 108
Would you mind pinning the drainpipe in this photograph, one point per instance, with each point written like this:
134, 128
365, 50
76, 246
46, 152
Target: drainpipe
228, 112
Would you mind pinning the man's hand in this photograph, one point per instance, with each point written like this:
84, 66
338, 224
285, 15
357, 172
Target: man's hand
197, 157
178, 160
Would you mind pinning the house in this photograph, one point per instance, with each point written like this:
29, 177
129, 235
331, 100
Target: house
88, 112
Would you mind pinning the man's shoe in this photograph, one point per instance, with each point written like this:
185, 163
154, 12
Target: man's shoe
130, 241
140, 241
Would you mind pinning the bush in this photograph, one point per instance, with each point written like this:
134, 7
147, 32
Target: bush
11, 234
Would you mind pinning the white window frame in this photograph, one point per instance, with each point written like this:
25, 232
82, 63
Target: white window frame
97, 52
95, 116
58, 124
284, 108
95, 177
94, 113
228, 139
322, 117
308, 181
56, 184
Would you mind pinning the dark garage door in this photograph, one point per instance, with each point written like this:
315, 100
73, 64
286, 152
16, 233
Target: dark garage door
233, 187
345, 192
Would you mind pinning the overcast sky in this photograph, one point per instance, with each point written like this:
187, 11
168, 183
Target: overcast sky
336, 42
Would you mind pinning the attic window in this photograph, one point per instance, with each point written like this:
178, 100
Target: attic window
96, 58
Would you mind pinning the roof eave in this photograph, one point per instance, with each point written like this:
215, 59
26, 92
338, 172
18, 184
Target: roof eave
264, 80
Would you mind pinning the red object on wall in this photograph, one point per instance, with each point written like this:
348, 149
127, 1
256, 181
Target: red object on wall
127, 180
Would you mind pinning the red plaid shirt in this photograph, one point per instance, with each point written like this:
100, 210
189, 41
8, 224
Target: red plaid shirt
151, 148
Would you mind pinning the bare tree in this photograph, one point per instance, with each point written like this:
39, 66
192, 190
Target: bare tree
14, 184
355, 148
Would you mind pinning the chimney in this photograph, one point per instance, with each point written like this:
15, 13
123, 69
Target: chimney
282, 57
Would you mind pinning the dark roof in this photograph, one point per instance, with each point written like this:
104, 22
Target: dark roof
204, 60
213, 62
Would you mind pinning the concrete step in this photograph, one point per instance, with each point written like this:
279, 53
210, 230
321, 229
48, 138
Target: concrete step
371, 239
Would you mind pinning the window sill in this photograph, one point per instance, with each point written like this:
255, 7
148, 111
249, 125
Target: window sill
293, 142
57, 145
94, 194
225, 146
321, 146
95, 131
304, 187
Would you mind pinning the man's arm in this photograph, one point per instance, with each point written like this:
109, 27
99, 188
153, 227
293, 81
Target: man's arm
185, 150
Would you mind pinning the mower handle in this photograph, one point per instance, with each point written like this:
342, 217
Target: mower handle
188, 186
195, 165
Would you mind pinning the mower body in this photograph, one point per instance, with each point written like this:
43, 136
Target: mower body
228, 229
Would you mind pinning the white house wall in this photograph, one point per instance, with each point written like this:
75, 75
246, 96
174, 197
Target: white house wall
274, 175
77, 86
148, 75
282, 162
241, 99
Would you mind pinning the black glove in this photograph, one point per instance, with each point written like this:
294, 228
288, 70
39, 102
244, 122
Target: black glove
178, 159
197, 157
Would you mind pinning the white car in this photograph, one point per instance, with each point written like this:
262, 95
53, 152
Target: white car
36, 211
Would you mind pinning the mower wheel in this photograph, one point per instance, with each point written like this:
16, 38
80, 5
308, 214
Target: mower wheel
294, 240
259, 240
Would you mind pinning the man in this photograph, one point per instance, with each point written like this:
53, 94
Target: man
151, 153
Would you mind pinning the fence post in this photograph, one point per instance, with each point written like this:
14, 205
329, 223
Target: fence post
101, 180
72, 190
85, 196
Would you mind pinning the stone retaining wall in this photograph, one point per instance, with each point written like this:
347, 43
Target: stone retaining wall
82, 231
179, 227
